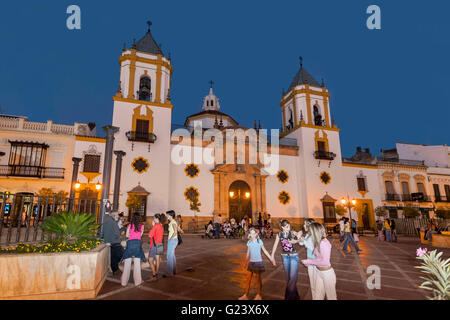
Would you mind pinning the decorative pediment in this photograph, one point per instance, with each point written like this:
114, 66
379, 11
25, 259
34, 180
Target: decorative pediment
248, 169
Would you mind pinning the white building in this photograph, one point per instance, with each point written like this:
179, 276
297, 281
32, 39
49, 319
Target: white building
311, 176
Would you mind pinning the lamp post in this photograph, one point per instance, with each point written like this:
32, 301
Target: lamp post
349, 204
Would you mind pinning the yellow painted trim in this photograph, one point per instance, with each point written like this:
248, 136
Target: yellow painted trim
90, 175
132, 75
284, 117
308, 106
90, 139
324, 139
325, 106
306, 90
137, 116
158, 81
148, 103
133, 58
363, 193
304, 125
294, 102
356, 165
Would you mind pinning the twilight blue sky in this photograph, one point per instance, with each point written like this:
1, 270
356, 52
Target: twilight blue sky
387, 86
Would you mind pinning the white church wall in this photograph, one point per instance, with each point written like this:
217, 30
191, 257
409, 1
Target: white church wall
157, 178
89, 147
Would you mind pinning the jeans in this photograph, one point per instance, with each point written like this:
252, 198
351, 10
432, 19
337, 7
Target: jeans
171, 267
341, 237
116, 255
217, 228
388, 235
348, 237
290, 264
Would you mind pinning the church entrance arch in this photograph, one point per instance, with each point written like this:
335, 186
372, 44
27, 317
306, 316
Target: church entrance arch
239, 203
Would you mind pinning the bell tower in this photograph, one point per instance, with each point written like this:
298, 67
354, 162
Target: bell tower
306, 117
143, 113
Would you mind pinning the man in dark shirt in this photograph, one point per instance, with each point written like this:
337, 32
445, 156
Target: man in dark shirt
111, 236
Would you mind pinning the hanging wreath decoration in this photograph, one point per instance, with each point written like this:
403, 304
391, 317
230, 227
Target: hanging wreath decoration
282, 176
192, 170
284, 197
325, 177
191, 194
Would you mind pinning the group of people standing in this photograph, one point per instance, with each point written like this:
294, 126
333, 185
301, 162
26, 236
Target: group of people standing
321, 274
231, 229
386, 230
113, 228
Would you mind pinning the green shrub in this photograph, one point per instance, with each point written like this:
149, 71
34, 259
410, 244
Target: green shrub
52, 247
443, 214
437, 271
410, 212
70, 227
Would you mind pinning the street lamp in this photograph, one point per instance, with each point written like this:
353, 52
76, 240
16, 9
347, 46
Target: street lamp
349, 204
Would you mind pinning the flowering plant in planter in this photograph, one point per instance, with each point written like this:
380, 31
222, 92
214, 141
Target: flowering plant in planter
72, 232
438, 274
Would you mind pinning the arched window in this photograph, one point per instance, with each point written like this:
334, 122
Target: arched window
145, 89
317, 116
212, 103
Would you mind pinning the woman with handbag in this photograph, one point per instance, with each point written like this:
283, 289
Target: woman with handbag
173, 240
156, 244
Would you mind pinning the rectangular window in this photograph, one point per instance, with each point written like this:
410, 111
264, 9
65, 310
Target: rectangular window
142, 126
321, 146
329, 213
437, 192
447, 192
421, 188
91, 163
361, 184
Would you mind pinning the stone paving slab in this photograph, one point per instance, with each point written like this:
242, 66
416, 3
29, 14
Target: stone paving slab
215, 270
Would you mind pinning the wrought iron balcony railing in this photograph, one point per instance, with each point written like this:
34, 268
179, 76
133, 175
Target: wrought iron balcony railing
141, 136
31, 171
392, 197
324, 155
441, 199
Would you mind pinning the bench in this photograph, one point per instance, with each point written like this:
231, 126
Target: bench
437, 240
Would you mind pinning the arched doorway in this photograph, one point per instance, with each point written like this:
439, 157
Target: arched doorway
239, 200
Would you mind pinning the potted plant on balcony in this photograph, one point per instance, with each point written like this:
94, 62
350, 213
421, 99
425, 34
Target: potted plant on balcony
71, 264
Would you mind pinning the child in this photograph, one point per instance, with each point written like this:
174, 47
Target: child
380, 231
209, 231
133, 251
255, 263
324, 276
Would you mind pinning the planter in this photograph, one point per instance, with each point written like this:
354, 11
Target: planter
53, 276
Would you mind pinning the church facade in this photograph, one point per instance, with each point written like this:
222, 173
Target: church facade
164, 166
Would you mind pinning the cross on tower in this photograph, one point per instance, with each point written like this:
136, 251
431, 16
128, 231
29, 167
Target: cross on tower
301, 61
211, 83
149, 24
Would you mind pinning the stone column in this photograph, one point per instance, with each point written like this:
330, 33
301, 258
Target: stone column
119, 155
76, 165
109, 146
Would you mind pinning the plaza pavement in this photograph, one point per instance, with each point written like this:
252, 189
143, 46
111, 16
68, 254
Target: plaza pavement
214, 270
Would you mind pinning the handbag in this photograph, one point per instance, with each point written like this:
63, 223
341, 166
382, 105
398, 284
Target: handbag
356, 237
159, 247
180, 241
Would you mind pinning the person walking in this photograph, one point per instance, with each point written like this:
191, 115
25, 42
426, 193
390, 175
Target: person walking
341, 229
324, 282
393, 231
217, 224
290, 259
387, 229
380, 230
255, 264
307, 241
134, 251
111, 236
348, 237
156, 250
172, 243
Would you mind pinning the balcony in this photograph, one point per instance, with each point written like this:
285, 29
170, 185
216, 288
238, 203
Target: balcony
406, 197
420, 197
441, 199
31, 172
392, 197
141, 136
324, 155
